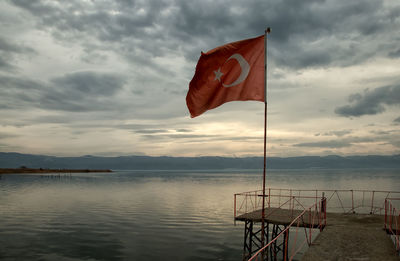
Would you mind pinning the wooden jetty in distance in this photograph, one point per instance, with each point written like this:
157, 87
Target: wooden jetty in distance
312, 225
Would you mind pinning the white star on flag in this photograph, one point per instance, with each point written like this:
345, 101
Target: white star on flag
218, 75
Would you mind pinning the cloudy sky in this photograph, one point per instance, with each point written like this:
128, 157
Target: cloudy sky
110, 77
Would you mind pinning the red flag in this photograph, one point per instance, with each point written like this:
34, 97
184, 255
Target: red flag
232, 72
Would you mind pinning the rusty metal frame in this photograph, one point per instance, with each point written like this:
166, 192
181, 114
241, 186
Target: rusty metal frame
298, 199
252, 238
279, 239
392, 221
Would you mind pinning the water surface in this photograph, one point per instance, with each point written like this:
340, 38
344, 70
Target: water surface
145, 215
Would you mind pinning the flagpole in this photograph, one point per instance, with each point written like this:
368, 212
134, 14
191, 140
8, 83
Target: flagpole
265, 139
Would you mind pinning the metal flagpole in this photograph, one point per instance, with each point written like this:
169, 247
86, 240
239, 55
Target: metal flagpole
265, 139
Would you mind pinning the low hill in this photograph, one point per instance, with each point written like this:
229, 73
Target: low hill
16, 160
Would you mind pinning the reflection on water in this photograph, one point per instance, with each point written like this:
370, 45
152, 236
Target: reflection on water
144, 215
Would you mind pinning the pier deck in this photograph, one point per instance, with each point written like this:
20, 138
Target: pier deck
345, 236
350, 237
279, 216
358, 237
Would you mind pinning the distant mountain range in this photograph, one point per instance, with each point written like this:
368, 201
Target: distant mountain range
16, 160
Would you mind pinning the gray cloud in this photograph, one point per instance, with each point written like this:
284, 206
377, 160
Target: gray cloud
134, 30
154, 45
397, 120
4, 135
5, 65
394, 54
320, 33
311, 33
150, 131
183, 130
177, 137
56, 119
8, 53
384, 132
338, 133
381, 132
334, 144
81, 91
89, 83
196, 138
370, 102
383, 137
19, 93
7, 46
138, 126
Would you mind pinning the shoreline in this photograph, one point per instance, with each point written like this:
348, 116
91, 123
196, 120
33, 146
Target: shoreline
41, 170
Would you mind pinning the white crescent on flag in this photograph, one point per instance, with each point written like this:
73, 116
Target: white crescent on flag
244, 66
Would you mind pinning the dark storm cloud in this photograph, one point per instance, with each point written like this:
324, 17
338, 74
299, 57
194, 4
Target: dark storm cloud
81, 91
304, 33
370, 102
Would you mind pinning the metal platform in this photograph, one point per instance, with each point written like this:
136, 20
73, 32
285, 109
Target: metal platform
277, 222
358, 225
279, 216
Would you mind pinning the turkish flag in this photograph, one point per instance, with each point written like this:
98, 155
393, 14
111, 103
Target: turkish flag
232, 72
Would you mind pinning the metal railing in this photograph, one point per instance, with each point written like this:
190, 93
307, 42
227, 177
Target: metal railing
343, 201
392, 221
313, 217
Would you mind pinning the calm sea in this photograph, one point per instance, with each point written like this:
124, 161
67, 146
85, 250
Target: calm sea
145, 215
